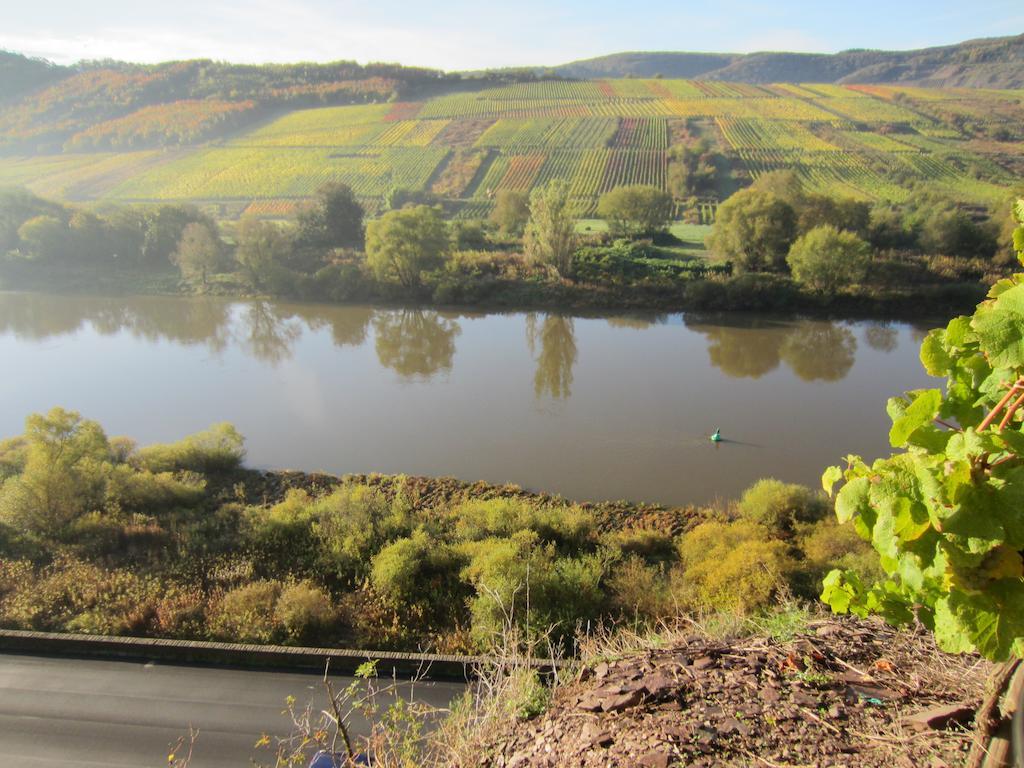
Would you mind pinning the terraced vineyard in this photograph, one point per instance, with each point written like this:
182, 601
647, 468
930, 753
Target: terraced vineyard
869, 142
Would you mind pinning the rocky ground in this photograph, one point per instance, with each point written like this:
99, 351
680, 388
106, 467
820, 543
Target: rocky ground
841, 693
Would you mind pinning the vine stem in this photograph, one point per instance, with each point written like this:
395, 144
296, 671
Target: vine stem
986, 719
1017, 386
1010, 411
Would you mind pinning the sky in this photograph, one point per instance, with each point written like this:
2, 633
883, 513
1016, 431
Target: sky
476, 34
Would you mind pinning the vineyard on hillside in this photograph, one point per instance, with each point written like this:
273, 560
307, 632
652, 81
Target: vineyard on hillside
867, 142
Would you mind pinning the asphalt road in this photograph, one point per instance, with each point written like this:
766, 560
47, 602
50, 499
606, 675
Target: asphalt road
57, 713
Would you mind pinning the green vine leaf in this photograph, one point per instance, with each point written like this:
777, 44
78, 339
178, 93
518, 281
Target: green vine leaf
944, 512
907, 419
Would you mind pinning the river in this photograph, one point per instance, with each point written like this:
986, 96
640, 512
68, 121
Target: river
591, 408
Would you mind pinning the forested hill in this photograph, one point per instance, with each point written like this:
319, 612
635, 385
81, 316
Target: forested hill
987, 63
116, 104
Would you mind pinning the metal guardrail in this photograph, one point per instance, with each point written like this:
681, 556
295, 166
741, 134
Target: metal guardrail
242, 654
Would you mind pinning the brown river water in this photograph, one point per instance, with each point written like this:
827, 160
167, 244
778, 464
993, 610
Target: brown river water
592, 408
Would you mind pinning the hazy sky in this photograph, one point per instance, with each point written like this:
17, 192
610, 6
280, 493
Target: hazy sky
465, 34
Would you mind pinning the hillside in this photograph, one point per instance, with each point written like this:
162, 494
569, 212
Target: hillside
234, 154
988, 63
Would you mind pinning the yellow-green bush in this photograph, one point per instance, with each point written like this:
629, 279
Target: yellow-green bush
733, 566
523, 582
780, 506
565, 526
353, 522
303, 609
246, 614
640, 591
217, 449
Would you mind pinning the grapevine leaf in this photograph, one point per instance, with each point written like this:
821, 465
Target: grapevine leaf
1018, 210
1000, 327
852, 499
844, 593
1000, 287
968, 445
934, 357
1018, 240
949, 633
1012, 440
908, 418
958, 333
993, 620
830, 477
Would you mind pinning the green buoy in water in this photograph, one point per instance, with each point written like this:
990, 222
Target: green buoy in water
716, 436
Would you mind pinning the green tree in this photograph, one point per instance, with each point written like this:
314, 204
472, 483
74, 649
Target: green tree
43, 237
944, 512
164, 226
511, 211
755, 229
403, 244
334, 221
198, 252
261, 249
635, 210
551, 231
63, 476
827, 258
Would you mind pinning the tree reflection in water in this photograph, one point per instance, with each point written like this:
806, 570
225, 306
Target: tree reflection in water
267, 332
813, 350
415, 343
820, 351
556, 337
882, 337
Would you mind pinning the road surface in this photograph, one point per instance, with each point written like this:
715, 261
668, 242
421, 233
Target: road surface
58, 713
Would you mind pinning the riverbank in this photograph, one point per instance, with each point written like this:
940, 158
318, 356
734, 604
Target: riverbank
488, 293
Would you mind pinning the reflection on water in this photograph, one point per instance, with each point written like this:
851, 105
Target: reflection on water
749, 348
556, 355
415, 343
363, 389
882, 336
420, 343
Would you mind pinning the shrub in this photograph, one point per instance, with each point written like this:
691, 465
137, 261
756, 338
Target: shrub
246, 614
352, 523
640, 591
217, 449
418, 569
779, 506
143, 491
733, 566
569, 528
521, 582
304, 610
66, 461
281, 537
73, 595
649, 544
826, 545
